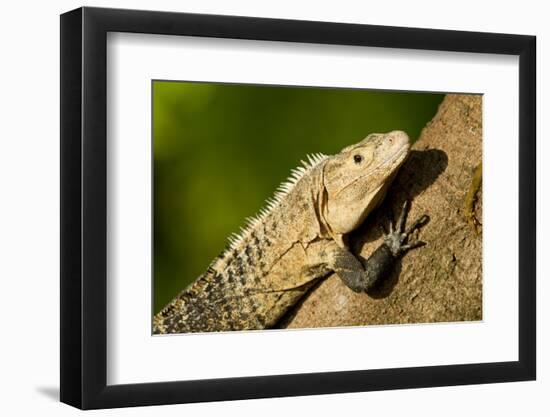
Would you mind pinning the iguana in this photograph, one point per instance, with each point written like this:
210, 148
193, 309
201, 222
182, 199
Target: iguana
298, 239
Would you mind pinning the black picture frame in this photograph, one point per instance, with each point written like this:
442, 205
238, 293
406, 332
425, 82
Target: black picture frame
84, 207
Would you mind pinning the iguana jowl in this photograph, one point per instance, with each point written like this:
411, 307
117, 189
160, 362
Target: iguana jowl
299, 238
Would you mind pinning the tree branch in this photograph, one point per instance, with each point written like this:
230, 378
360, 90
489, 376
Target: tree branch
441, 281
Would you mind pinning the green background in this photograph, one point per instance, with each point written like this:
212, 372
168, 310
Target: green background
221, 149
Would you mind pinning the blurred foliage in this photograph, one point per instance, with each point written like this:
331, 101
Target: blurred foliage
221, 149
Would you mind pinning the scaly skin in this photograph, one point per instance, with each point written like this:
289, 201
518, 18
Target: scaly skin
298, 240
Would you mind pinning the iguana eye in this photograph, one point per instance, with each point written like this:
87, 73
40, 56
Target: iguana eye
357, 158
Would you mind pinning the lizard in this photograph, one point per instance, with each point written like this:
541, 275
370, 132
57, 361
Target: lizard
472, 198
297, 239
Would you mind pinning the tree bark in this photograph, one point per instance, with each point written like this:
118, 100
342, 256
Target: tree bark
442, 281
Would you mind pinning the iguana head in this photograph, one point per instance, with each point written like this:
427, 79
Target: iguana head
356, 179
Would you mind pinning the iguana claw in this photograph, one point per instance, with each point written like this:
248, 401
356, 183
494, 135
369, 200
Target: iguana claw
397, 238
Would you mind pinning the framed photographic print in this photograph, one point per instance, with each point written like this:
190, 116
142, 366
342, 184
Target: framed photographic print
258, 207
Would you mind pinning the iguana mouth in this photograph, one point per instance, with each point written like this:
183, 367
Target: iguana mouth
389, 161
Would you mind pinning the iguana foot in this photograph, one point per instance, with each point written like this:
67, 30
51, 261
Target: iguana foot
397, 238
361, 275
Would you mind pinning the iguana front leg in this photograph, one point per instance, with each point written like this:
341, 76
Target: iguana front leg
360, 275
